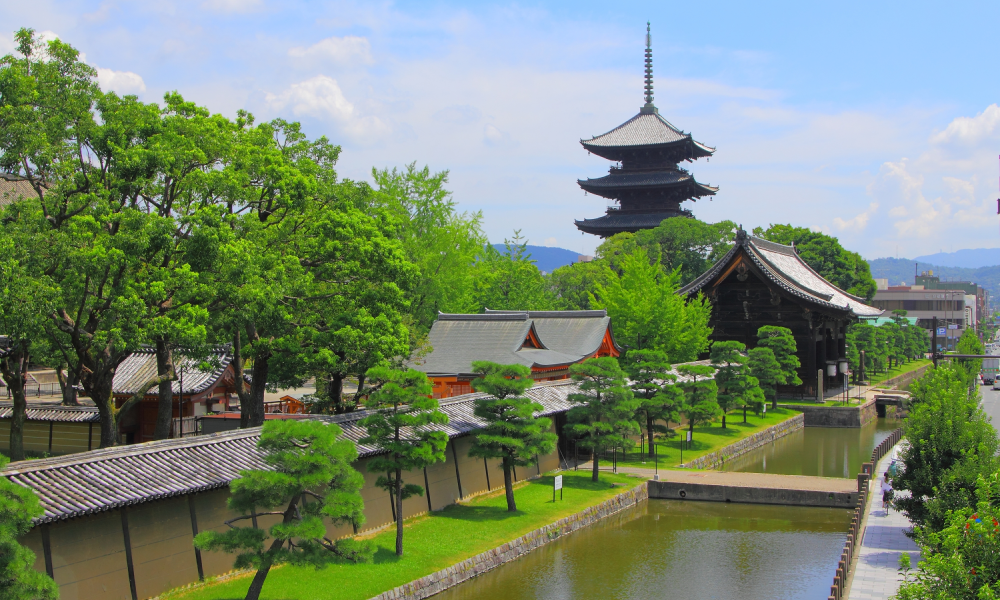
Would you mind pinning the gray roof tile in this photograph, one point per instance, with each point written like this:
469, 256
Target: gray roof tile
642, 130
55, 412
140, 367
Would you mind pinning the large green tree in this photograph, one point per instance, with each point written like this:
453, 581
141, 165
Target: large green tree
647, 311
512, 432
843, 268
766, 369
509, 280
398, 428
604, 415
310, 481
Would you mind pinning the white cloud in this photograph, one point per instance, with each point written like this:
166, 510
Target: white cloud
550, 242
321, 97
120, 82
6, 44
345, 50
859, 222
233, 6
495, 138
971, 130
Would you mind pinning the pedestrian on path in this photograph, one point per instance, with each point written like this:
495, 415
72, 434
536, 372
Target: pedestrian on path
886, 493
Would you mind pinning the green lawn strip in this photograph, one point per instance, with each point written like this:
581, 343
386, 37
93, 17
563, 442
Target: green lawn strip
431, 542
708, 438
913, 365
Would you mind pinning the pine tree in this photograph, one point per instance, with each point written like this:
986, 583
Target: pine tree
700, 391
512, 433
732, 375
766, 368
782, 343
398, 429
649, 372
311, 479
605, 413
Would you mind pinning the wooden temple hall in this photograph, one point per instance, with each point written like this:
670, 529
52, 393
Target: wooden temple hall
646, 182
761, 283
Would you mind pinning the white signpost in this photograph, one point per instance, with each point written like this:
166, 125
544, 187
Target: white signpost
557, 485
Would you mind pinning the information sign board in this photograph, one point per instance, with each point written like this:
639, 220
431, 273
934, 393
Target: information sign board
557, 485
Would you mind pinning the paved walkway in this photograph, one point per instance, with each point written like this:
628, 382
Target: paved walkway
875, 576
739, 479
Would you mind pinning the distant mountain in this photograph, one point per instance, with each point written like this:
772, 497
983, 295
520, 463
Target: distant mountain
900, 271
548, 259
969, 258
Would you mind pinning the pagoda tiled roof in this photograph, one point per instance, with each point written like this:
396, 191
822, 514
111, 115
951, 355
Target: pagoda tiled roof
616, 221
621, 181
645, 129
784, 267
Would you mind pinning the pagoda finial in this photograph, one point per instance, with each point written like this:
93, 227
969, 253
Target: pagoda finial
648, 108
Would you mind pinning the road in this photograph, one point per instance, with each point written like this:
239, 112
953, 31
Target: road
991, 403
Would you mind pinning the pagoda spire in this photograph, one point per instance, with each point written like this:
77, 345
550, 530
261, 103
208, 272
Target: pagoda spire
648, 108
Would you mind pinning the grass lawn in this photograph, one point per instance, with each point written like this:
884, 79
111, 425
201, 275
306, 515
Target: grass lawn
913, 365
707, 438
430, 543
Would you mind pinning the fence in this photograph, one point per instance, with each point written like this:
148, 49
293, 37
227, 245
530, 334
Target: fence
34, 389
856, 532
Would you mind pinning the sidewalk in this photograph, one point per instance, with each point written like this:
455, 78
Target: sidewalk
876, 577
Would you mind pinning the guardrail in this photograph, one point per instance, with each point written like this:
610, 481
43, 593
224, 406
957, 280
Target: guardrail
856, 532
34, 390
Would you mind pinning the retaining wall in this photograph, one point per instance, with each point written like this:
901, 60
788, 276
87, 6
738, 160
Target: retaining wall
678, 490
901, 381
479, 564
836, 416
751, 442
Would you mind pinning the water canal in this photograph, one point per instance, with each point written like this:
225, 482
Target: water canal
819, 451
679, 550
702, 550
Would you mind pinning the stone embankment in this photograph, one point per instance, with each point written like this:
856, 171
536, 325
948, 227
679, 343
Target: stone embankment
477, 565
751, 442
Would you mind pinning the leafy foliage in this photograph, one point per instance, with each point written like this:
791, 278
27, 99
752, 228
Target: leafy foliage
604, 415
643, 304
951, 444
509, 280
310, 480
767, 370
512, 433
782, 343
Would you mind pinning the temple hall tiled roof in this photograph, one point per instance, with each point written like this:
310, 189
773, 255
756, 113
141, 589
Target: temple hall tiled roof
14, 188
611, 186
140, 367
499, 336
784, 267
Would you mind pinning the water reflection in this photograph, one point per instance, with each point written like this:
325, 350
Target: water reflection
684, 550
822, 451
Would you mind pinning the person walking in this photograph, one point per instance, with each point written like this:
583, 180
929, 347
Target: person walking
886, 493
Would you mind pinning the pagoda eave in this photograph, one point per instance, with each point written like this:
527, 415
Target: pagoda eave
619, 221
688, 188
684, 149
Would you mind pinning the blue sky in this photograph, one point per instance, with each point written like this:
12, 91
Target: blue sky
874, 122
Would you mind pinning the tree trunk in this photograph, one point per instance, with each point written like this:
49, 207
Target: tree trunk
67, 385
508, 485
335, 392
774, 401
165, 404
252, 400
593, 475
261, 366
399, 512
723, 419
105, 401
14, 367
649, 433
744, 413
258, 579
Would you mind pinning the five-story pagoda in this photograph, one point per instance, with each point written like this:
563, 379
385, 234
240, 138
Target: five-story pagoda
647, 184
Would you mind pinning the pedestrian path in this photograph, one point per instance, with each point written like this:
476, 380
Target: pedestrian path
876, 575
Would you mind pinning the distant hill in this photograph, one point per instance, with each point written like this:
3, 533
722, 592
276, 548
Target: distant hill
900, 271
548, 259
968, 258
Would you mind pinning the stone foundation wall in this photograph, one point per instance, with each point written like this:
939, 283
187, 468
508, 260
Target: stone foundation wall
836, 416
479, 564
761, 438
901, 381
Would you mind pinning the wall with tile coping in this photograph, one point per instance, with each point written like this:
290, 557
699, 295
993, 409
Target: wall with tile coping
479, 564
751, 442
